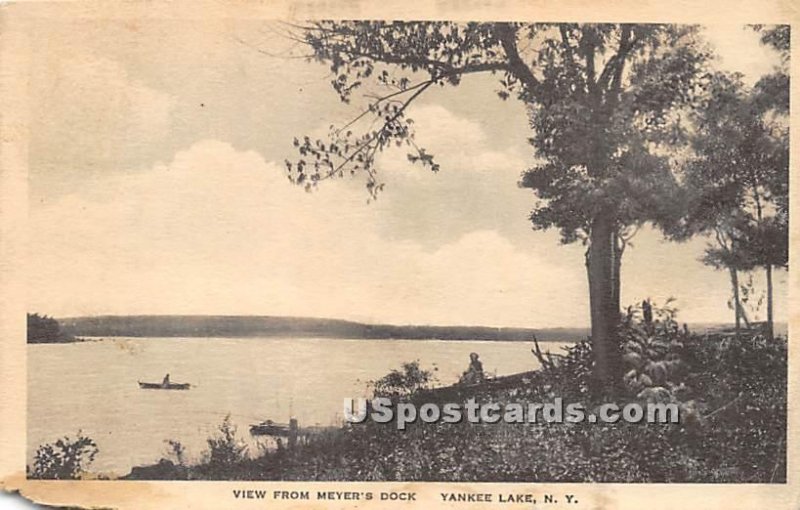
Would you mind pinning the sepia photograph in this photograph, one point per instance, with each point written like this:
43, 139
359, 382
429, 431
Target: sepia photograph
369, 249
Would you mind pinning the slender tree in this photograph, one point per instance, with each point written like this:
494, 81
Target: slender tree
602, 100
772, 100
737, 185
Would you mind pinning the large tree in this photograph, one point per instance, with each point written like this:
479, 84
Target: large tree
603, 102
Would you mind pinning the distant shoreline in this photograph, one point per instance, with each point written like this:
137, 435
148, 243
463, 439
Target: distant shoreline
167, 326
81, 329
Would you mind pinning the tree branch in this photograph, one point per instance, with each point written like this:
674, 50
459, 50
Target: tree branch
591, 83
613, 67
381, 99
377, 135
508, 39
446, 69
545, 359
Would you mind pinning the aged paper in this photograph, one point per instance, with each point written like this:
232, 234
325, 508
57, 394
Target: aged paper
221, 222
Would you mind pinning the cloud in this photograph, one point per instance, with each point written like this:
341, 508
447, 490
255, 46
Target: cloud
223, 231
90, 115
476, 188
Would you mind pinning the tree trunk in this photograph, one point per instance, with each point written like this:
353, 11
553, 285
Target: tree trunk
736, 306
770, 322
602, 266
616, 245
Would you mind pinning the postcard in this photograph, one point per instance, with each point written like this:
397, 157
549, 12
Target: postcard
457, 254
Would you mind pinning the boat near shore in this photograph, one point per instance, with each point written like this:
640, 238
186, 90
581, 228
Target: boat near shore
270, 428
162, 386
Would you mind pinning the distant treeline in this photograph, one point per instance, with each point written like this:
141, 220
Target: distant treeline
46, 330
267, 326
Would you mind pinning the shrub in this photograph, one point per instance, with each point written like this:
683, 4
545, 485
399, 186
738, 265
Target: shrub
573, 374
403, 383
224, 449
176, 450
66, 459
652, 352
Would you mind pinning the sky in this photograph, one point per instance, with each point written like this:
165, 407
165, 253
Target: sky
157, 186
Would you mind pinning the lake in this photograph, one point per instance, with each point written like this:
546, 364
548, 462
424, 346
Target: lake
92, 386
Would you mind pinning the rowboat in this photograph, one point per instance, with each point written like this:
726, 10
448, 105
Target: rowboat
270, 428
161, 386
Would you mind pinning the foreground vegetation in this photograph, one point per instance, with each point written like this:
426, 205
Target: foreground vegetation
731, 391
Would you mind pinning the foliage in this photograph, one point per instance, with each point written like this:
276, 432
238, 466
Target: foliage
600, 98
424, 54
652, 353
66, 459
740, 168
606, 139
571, 377
751, 297
44, 329
744, 380
773, 89
771, 100
404, 382
737, 181
177, 450
224, 448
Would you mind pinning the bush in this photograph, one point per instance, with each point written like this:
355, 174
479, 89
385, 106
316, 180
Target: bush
744, 381
63, 460
224, 449
403, 383
652, 353
176, 450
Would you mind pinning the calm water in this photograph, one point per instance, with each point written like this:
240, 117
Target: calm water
93, 386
